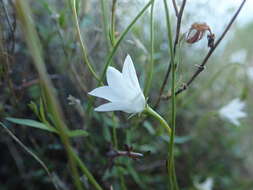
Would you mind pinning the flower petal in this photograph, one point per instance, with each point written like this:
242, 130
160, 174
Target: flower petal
105, 92
137, 104
110, 107
114, 77
117, 83
129, 73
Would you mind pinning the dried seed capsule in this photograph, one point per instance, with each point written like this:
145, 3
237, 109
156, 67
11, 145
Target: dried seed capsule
197, 32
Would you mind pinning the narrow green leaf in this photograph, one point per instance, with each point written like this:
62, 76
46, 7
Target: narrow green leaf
31, 123
77, 133
40, 125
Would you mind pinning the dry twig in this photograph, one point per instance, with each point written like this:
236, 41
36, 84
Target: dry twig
179, 20
210, 52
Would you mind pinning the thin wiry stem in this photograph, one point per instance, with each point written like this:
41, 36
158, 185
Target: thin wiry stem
114, 2
204, 62
170, 161
115, 146
179, 20
84, 52
105, 22
175, 7
7, 17
173, 182
151, 64
86, 172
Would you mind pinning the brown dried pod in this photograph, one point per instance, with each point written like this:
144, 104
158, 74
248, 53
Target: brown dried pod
197, 32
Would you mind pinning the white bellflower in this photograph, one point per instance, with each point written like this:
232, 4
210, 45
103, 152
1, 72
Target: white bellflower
233, 111
123, 90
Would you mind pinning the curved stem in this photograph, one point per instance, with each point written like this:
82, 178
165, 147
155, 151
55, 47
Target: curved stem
162, 121
85, 56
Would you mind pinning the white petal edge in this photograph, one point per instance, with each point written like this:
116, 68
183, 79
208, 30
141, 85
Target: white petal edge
105, 92
129, 73
110, 107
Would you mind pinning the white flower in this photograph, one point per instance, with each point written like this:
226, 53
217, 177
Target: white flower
123, 90
206, 185
250, 72
233, 111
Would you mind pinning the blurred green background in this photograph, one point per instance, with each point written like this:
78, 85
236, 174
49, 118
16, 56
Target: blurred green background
207, 144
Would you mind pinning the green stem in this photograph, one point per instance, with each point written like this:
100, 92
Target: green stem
174, 176
113, 22
86, 172
114, 132
113, 51
151, 65
84, 52
162, 121
115, 144
105, 22
122, 182
171, 167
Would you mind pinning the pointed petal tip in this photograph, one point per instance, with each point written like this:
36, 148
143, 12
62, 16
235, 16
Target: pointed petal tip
91, 93
128, 60
128, 56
